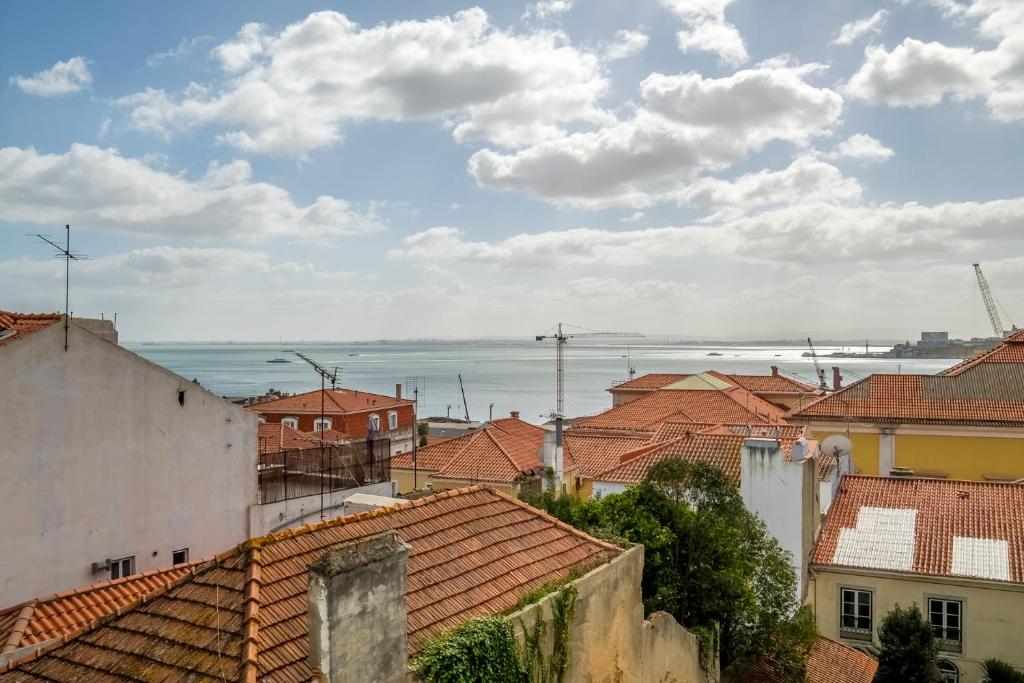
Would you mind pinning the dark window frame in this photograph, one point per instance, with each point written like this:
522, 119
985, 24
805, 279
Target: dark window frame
942, 630
184, 554
857, 631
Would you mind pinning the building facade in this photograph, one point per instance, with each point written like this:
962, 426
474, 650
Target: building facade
111, 464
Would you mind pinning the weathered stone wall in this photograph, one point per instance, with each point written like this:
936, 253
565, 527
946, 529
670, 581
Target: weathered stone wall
609, 640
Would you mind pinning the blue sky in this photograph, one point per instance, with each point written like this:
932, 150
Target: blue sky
433, 169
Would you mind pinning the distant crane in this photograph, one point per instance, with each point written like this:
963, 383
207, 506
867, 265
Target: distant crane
818, 370
465, 406
990, 304
561, 338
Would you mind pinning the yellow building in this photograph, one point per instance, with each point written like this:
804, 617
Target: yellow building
954, 548
965, 423
509, 455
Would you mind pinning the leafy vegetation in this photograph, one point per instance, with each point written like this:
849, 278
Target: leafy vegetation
998, 671
709, 562
908, 648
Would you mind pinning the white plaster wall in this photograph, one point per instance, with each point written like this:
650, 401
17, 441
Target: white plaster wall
886, 453
606, 488
775, 490
289, 514
98, 460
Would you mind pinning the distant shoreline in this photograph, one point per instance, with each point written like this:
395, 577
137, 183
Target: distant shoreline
650, 341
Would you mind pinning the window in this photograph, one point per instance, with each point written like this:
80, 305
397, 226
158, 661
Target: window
179, 556
325, 423
392, 420
855, 619
292, 422
950, 674
945, 617
123, 567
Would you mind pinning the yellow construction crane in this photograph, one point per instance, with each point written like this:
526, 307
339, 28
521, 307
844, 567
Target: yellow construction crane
561, 338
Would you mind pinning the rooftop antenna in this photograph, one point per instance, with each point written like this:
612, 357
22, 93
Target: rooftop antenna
68, 256
325, 375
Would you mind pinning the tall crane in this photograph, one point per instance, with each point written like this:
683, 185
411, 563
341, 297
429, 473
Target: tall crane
819, 371
561, 338
990, 303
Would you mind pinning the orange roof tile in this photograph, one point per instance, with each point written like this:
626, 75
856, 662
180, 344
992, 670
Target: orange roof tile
767, 384
717, 445
926, 526
985, 394
63, 614
733, 405
474, 552
828, 661
15, 326
328, 435
274, 438
336, 401
597, 450
1011, 350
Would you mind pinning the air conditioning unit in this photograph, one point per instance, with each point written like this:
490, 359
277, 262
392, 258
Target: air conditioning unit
103, 566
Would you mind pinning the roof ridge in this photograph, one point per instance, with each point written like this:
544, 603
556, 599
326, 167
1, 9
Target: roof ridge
504, 452
251, 620
140, 599
18, 630
470, 440
646, 449
554, 520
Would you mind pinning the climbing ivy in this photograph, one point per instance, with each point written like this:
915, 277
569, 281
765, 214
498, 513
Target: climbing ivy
485, 650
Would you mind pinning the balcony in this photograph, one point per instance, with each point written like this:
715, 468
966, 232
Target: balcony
297, 473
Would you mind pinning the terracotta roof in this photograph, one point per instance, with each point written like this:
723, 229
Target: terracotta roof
717, 445
503, 451
597, 450
15, 326
244, 615
328, 435
336, 401
767, 384
733, 405
829, 661
274, 438
63, 614
926, 526
985, 394
1011, 350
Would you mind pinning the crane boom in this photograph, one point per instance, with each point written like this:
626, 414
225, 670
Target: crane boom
990, 302
818, 371
465, 405
561, 338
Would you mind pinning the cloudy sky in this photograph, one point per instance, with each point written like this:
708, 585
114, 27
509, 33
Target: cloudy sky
256, 170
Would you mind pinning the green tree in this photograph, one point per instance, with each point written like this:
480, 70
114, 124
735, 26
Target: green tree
908, 648
998, 671
708, 560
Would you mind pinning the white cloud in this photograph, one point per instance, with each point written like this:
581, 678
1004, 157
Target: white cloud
183, 49
626, 44
62, 78
708, 31
546, 9
688, 125
915, 73
855, 30
101, 189
292, 92
862, 147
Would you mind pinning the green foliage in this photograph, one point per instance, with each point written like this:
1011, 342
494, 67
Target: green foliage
708, 561
533, 663
998, 671
423, 441
787, 650
908, 648
423, 429
479, 651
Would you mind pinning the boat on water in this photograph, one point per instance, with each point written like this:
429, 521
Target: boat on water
713, 353
279, 360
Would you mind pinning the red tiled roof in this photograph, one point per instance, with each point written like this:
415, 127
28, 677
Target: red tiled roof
328, 435
650, 381
767, 384
474, 552
829, 661
985, 394
717, 445
503, 451
63, 614
336, 401
597, 450
733, 405
1011, 350
274, 438
19, 325
989, 515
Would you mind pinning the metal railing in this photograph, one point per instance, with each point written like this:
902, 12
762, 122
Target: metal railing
311, 471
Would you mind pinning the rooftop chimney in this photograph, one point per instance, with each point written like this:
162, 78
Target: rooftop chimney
398, 390
552, 453
775, 371
837, 378
357, 615
514, 414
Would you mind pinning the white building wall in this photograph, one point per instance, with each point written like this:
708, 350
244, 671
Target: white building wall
291, 514
606, 488
99, 460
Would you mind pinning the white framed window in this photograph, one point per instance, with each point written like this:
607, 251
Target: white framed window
122, 567
292, 422
392, 419
950, 674
179, 556
319, 424
946, 618
261, 419
855, 613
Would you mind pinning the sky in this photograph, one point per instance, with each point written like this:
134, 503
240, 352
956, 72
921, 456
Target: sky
707, 168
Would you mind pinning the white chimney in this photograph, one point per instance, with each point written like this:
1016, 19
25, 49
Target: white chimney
552, 453
357, 614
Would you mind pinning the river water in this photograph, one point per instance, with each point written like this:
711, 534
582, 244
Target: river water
513, 375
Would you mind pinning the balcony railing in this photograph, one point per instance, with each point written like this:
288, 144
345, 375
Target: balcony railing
297, 473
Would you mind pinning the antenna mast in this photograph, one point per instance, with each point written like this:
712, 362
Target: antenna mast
328, 375
68, 256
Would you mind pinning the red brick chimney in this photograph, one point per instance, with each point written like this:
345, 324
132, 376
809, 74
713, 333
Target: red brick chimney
514, 414
398, 390
775, 371
837, 378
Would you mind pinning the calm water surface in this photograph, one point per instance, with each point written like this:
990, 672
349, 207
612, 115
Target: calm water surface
513, 375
